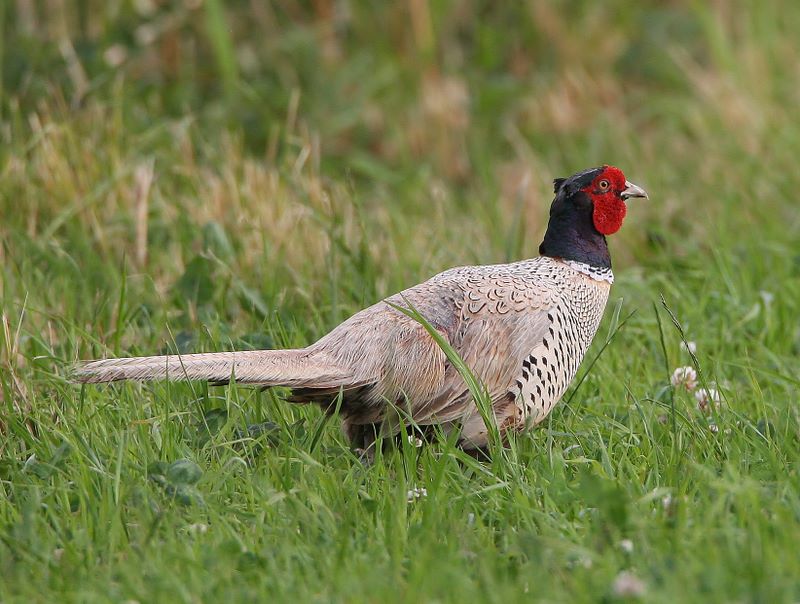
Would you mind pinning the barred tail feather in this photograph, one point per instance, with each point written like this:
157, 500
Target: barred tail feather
298, 368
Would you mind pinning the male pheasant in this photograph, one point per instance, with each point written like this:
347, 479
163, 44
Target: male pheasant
523, 328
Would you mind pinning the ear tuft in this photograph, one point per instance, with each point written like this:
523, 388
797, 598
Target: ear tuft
557, 184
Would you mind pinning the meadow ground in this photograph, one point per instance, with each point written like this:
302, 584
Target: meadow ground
208, 176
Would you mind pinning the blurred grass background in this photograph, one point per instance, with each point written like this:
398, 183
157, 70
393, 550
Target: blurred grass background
206, 175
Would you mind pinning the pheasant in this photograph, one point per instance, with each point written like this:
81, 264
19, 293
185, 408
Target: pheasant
523, 329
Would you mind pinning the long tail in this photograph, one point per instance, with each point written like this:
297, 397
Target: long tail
296, 368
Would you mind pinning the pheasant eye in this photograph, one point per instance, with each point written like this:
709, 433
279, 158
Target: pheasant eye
603, 184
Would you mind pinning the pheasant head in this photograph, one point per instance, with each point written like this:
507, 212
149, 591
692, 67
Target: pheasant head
588, 206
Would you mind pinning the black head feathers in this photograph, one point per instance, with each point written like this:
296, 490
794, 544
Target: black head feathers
577, 181
571, 234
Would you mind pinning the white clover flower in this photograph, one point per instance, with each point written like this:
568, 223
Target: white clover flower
145, 34
628, 585
684, 376
115, 55
706, 397
416, 493
626, 545
417, 442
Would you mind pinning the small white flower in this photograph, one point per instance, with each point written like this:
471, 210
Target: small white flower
416, 493
684, 376
626, 545
145, 8
666, 502
115, 55
706, 397
197, 528
145, 34
689, 347
417, 442
628, 585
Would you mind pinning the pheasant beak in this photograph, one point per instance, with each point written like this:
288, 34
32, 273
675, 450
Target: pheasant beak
632, 190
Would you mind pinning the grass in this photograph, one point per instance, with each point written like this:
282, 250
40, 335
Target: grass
209, 176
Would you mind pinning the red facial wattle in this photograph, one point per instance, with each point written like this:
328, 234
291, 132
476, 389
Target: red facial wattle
605, 192
609, 212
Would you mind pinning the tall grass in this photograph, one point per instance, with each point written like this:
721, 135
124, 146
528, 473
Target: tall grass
209, 176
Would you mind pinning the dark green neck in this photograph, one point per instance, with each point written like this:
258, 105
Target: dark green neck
571, 234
